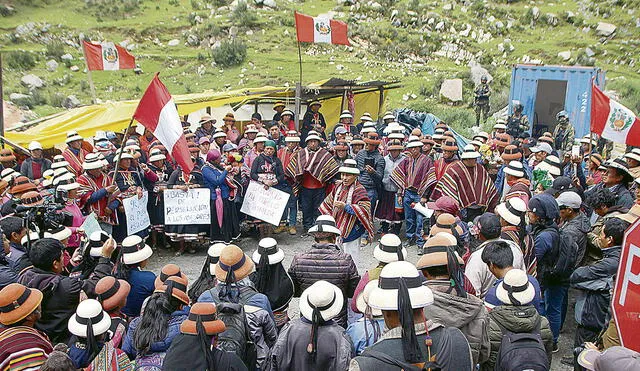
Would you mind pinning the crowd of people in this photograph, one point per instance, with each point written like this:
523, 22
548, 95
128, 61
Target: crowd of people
505, 228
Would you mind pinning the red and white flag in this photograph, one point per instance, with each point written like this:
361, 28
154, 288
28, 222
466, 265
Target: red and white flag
158, 113
321, 30
613, 121
107, 56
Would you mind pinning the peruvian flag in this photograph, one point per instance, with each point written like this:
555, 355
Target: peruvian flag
157, 112
613, 121
321, 30
107, 56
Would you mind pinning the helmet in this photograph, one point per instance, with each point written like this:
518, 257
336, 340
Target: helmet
518, 107
562, 113
484, 78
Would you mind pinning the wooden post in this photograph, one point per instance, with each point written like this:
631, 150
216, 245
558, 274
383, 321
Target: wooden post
298, 90
1, 104
121, 149
92, 87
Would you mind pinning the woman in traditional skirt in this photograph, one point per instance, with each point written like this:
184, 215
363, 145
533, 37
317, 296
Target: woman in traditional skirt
185, 233
155, 205
129, 184
225, 226
267, 170
388, 213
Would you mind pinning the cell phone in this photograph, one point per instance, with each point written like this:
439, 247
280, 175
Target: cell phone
575, 150
369, 162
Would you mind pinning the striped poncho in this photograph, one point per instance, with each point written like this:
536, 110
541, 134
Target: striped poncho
355, 196
438, 169
23, 348
320, 164
467, 185
411, 173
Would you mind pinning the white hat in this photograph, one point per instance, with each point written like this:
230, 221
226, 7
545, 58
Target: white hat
72, 136
292, 139
469, 152
399, 136
389, 249
59, 165
312, 137
219, 134
322, 295
394, 127
60, 233
389, 116
413, 142
214, 255
551, 164
251, 129
89, 311
260, 139
500, 126
362, 300
385, 296
634, 154
483, 134
515, 168
512, 210
270, 247
65, 177
286, 112
544, 147
587, 139
325, 223
476, 143
96, 240
134, 250
60, 172
100, 135
350, 166
157, 157
132, 148
68, 186
368, 129
33, 236
119, 155
515, 289
366, 117
569, 199
346, 115
9, 173
34, 145
92, 161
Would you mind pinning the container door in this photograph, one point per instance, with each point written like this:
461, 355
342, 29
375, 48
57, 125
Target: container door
523, 90
550, 99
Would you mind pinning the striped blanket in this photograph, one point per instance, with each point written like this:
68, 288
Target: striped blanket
320, 164
412, 173
468, 186
356, 196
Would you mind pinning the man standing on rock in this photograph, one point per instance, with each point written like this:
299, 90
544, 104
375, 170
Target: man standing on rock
482, 94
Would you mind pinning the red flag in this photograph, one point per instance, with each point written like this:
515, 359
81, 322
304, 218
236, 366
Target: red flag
107, 56
321, 30
611, 120
158, 113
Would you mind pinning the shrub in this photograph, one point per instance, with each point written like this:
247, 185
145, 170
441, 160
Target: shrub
20, 60
230, 53
55, 50
243, 16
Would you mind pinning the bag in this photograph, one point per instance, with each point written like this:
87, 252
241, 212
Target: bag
522, 351
237, 336
388, 360
566, 256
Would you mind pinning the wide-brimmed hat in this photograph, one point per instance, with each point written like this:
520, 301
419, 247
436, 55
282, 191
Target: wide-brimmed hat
446, 204
372, 138
596, 158
413, 142
156, 155
551, 164
251, 129
542, 146
278, 104
482, 135
362, 300
620, 164
515, 168
89, 313
67, 183
450, 145
112, 292
350, 166
512, 210
389, 249
72, 136
17, 302
34, 145
292, 136
499, 126
587, 139
446, 223
438, 134
31, 198
313, 136
59, 233
395, 145
341, 146
59, 165
206, 118
502, 140
544, 139
315, 103
616, 358
366, 117
169, 270
357, 141
324, 296
511, 152
632, 215
367, 129
204, 313
385, 296
8, 174
134, 250
92, 161
213, 256
269, 247
175, 287
229, 117
346, 115
325, 224
287, 113
96, 240
6, 155
469, 152
515, 289
634, 154
233, 261
388, 116
217, 134
427, 139
22, 184
436, 251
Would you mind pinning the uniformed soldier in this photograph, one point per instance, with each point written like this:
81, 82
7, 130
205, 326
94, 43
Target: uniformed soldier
564, 133
517, 123
482, 93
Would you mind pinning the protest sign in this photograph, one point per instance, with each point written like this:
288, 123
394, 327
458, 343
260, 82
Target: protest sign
264, 204
135, 210
187, 207
90, 225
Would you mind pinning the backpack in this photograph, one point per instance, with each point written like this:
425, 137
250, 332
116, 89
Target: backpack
237, 336
389, 361
566, 256
522, 351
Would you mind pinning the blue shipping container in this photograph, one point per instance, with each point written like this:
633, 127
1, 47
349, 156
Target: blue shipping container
546, 90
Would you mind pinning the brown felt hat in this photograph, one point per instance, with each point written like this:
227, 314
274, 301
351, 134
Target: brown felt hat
233, 259
21, 185
169, 270
511, 152
229, 117
372, 138
427, 139
31, 198
207, 314
341, 146
446, 223
435, 253
503, 140
546, 139
449, 144
176, 287
395, 145
112, 292
6, 155
17, 302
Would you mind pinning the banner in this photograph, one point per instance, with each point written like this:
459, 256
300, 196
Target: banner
190, 207
136, 212
264, 204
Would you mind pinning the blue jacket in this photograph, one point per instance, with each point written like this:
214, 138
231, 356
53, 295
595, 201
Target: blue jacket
215, 178
500, 177
7, 274
173, 329
142, 286
359, 339
544, 241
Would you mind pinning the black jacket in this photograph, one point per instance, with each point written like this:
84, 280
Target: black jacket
7, 274
264, 164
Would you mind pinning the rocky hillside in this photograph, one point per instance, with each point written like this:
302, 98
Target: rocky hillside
219, 44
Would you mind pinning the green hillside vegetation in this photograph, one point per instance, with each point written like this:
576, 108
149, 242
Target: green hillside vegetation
223, 45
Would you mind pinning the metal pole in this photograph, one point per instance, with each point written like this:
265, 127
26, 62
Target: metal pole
89, 77
298, 89
1, 103
121, 149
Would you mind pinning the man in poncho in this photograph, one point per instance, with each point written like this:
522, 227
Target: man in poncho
469, 184
311, 169
350, 206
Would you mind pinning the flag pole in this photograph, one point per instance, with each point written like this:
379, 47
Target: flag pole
119, 153
94, 100
298, 88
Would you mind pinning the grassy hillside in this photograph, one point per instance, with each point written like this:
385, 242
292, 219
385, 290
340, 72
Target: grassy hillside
416, 42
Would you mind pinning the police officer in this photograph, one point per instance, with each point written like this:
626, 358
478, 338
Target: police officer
482, 93
564, 133
517, 123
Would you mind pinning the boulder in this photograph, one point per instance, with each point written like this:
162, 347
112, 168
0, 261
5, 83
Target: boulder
447, 7
535, 12
440, 26
71, 102
52, 65
193, 40
552, 19
67, 57
566, 55
20, 99
269, 3
174, 42
74, 68
589, 52
32, 81
451, 90
605, 29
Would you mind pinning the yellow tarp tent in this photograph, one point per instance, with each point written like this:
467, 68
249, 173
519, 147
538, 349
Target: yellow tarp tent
115, 116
